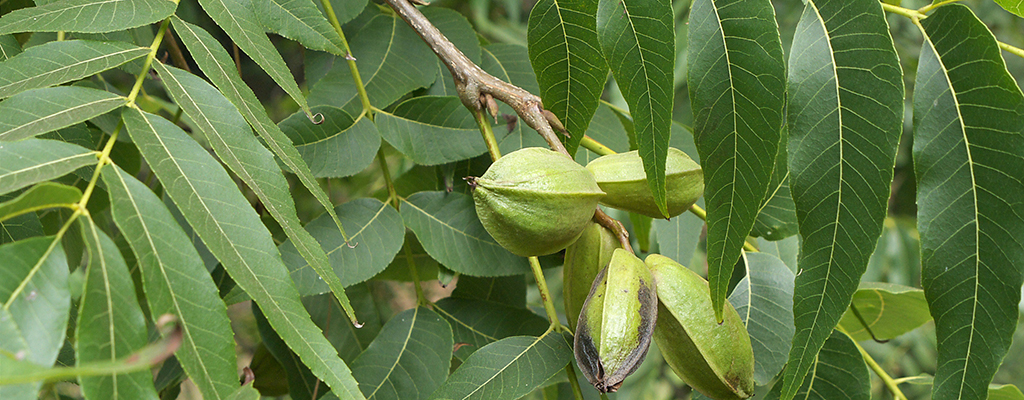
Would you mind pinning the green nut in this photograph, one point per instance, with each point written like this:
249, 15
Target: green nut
535, 201
621, 176
617, 321
715, 359
583, 260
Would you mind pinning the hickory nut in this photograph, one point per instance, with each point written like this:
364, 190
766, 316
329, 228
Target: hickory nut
622, 177
583, 260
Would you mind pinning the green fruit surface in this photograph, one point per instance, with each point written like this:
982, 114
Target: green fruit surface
715, 359
583, 260
621, 176
535, 201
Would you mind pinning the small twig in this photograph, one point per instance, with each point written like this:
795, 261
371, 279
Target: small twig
176, 54
615, 226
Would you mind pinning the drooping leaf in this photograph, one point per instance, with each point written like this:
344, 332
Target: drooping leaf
30, 113
567, 60
888, 310
736, 79
392, 61
447, 226
35, 298
214, 207
299, 20
432, 130
637, 40
764, 300
337, 147
509, 368
968, 152
42, 196
89, 16
409, 358
239, 21
110, 321
845, 115
176, 282
776, 219
377, 236
839, 373
477, 323
217, 65
54, 63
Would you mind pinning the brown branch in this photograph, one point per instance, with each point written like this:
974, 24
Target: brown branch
474, 84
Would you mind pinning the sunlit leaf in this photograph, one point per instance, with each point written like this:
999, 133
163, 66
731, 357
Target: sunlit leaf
408, 359
1014, 6
887, 309
91, 16
968, 154
300, 21
42, 196
54, 63
845, 115
337, 147
30, 113
764, 300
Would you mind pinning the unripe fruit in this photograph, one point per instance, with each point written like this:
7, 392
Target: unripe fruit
621, 176
715, 359
583, 260
535, 201
615, 326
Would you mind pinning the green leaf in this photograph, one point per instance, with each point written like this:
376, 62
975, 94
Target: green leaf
54, 63
217, 66
239, 21
1014, 6
477, 323
30, 113
460, 32
447, 226
845, 115
392, 61
509, 368
9, 47
348, 9
637, 39
32, 161
299, 20
889, 310
507, 290
110, 321
764, 300
737, 84
176, 282
510, 63
678, 237
378, 236
408, 359
1004, 392
346, 338
432, 130
337, 147
89, 16
968, 152
244, 393
21, 227
839, 373
398, 270
39, 197
567, 60
606, 129
787, 249
301, 383
776, 219
212, 204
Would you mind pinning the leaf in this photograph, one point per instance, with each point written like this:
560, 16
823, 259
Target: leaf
1004, 392
1014, 6
567, 60
378, 236
54, 63
637, 40
245, 393
299, 20
9, 47
239, 21
606, 129
447, 226
509, 368
764, 300
968, 151
786, 249
301, 383
408, 359
460, 32
507, 290
398, 269
30, 113
176, 282
346, 338
432, 130
21, 227
678, 237
736, 79
215, 208
477, 323
392, 61
39, 197
839, 373
35, 298
510, 63
337, 147
110, 321
890, 310
217, 66
88, 16
845, 115
776, 219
